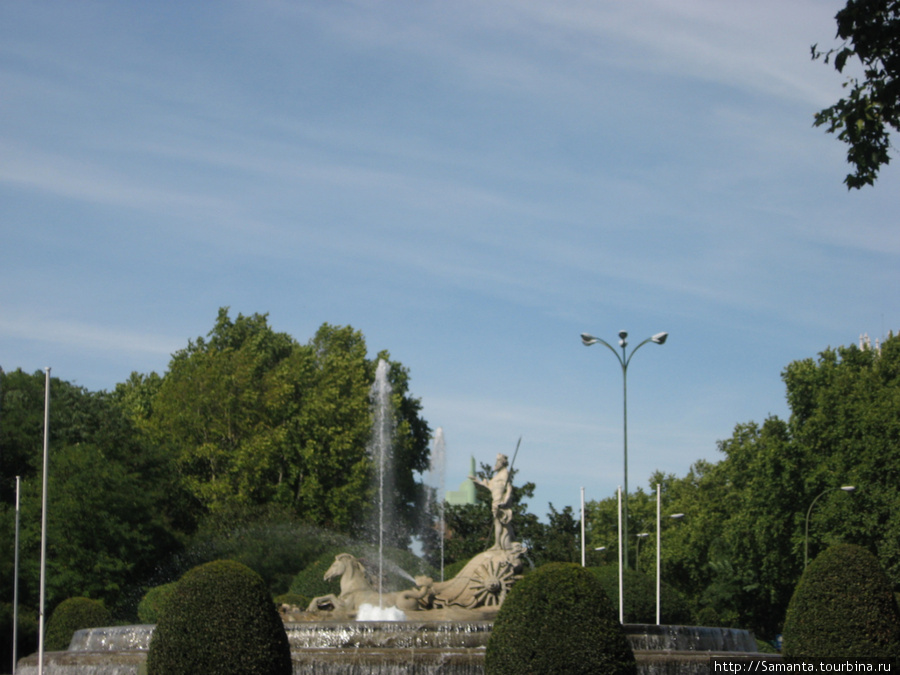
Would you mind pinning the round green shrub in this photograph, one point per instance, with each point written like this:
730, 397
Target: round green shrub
640, 597
220, 620
71, 615
152, 605
843, 607
558, 619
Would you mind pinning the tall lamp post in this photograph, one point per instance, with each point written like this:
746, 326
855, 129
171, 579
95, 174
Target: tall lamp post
588, 340
846, 488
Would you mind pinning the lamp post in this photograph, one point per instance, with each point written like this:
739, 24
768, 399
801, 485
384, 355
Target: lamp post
637, 557
588, 340
846, 488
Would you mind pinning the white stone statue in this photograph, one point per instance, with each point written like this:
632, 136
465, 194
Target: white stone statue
501, 491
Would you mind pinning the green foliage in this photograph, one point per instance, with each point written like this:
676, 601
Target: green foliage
113, 510
71, 615
739, 550
270, 540
245, 420
220, 620
253, 417
640, 597
558, 619
843, 608
558, 538
152, 605
469, 531
707, 616
864, 117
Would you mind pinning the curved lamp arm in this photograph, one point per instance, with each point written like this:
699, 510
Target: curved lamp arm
846, 488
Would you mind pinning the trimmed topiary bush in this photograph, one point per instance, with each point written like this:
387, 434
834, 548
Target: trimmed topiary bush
220, 620
151, 606
558, 619
640, 597
71, 615
843, 607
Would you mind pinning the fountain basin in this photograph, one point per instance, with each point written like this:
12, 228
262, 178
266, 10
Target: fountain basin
399, 648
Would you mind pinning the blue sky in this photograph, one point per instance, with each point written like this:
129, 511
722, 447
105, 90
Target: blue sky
472, 184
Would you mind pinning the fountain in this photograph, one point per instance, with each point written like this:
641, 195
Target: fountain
381, 450
436, 469
411, 647
446, 625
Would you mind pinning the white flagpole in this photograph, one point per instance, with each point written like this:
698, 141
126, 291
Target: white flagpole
658, 548
621, 585
15, 635
582, 527
44, 522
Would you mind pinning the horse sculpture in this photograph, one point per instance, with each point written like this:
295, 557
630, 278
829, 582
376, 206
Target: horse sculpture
357, 590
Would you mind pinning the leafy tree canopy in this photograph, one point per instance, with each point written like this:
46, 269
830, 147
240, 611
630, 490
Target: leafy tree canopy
863, 119
253, 417
738, 552
114, 508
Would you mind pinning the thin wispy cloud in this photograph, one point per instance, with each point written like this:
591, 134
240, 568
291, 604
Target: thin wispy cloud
470, 185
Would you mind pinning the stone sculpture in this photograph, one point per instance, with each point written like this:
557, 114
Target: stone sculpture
501, 491
357, 589
479, 588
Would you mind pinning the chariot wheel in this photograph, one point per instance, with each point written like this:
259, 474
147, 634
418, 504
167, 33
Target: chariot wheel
491, 582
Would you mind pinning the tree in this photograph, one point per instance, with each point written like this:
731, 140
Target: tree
114, 507
253, 417
739, 551
870, 30
846, 416
560, 540
223, 411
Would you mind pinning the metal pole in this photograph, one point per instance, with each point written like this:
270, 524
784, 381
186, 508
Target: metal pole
658, 540
621, 589
15, 634
582, 528
625, 448
624, 359
44, 523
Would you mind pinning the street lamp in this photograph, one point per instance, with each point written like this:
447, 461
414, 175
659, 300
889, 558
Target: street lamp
588, 340
846, 488
637, 557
